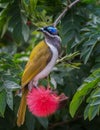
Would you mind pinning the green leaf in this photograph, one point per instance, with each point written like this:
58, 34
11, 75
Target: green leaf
80, 95
25, 32
96, 94
43, 121
33, 4
17, 33
97, 102
10, 99
11, 85
88, 51
17, 23
90, 112
30, 121
2, 102
93, 107
3, 21
4, 28
83, 90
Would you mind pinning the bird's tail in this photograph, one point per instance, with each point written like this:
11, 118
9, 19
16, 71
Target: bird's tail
22, 108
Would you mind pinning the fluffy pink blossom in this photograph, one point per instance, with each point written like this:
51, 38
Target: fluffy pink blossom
42, 102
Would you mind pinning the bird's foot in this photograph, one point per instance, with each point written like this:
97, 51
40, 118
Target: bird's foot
32, 84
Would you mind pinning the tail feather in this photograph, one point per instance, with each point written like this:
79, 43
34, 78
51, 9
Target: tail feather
22, 108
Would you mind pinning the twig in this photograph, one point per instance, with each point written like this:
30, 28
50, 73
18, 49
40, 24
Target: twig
64, 11
65, 122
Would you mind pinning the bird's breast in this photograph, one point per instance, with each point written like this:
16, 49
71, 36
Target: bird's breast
50, 64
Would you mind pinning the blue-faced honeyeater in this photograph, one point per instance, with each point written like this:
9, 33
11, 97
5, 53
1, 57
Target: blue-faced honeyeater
41, 61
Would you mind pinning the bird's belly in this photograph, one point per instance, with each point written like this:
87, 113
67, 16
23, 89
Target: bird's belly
49, 66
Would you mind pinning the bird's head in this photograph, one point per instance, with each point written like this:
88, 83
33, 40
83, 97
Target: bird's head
49, 30
51, 36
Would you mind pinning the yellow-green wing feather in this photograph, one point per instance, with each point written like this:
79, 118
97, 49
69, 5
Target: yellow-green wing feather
38, 59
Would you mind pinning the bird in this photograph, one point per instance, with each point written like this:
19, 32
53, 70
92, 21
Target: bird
41, 62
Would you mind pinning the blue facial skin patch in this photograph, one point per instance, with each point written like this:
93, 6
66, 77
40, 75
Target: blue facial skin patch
51, 30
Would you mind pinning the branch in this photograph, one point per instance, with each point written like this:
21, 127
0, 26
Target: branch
64, 11
65, 122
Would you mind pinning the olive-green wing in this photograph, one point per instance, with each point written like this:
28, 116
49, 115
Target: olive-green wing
39, 58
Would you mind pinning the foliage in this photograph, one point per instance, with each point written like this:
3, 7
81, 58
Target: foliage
77, 72
91, 87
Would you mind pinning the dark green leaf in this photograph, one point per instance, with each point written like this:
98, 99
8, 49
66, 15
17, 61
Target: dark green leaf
25, 32
90, 112
17, 32
2, 102
30, 121
43, 121
83, 90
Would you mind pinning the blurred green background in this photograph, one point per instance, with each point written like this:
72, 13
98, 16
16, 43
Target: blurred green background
77, 73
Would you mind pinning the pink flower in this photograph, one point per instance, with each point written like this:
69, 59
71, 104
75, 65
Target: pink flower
42, 102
